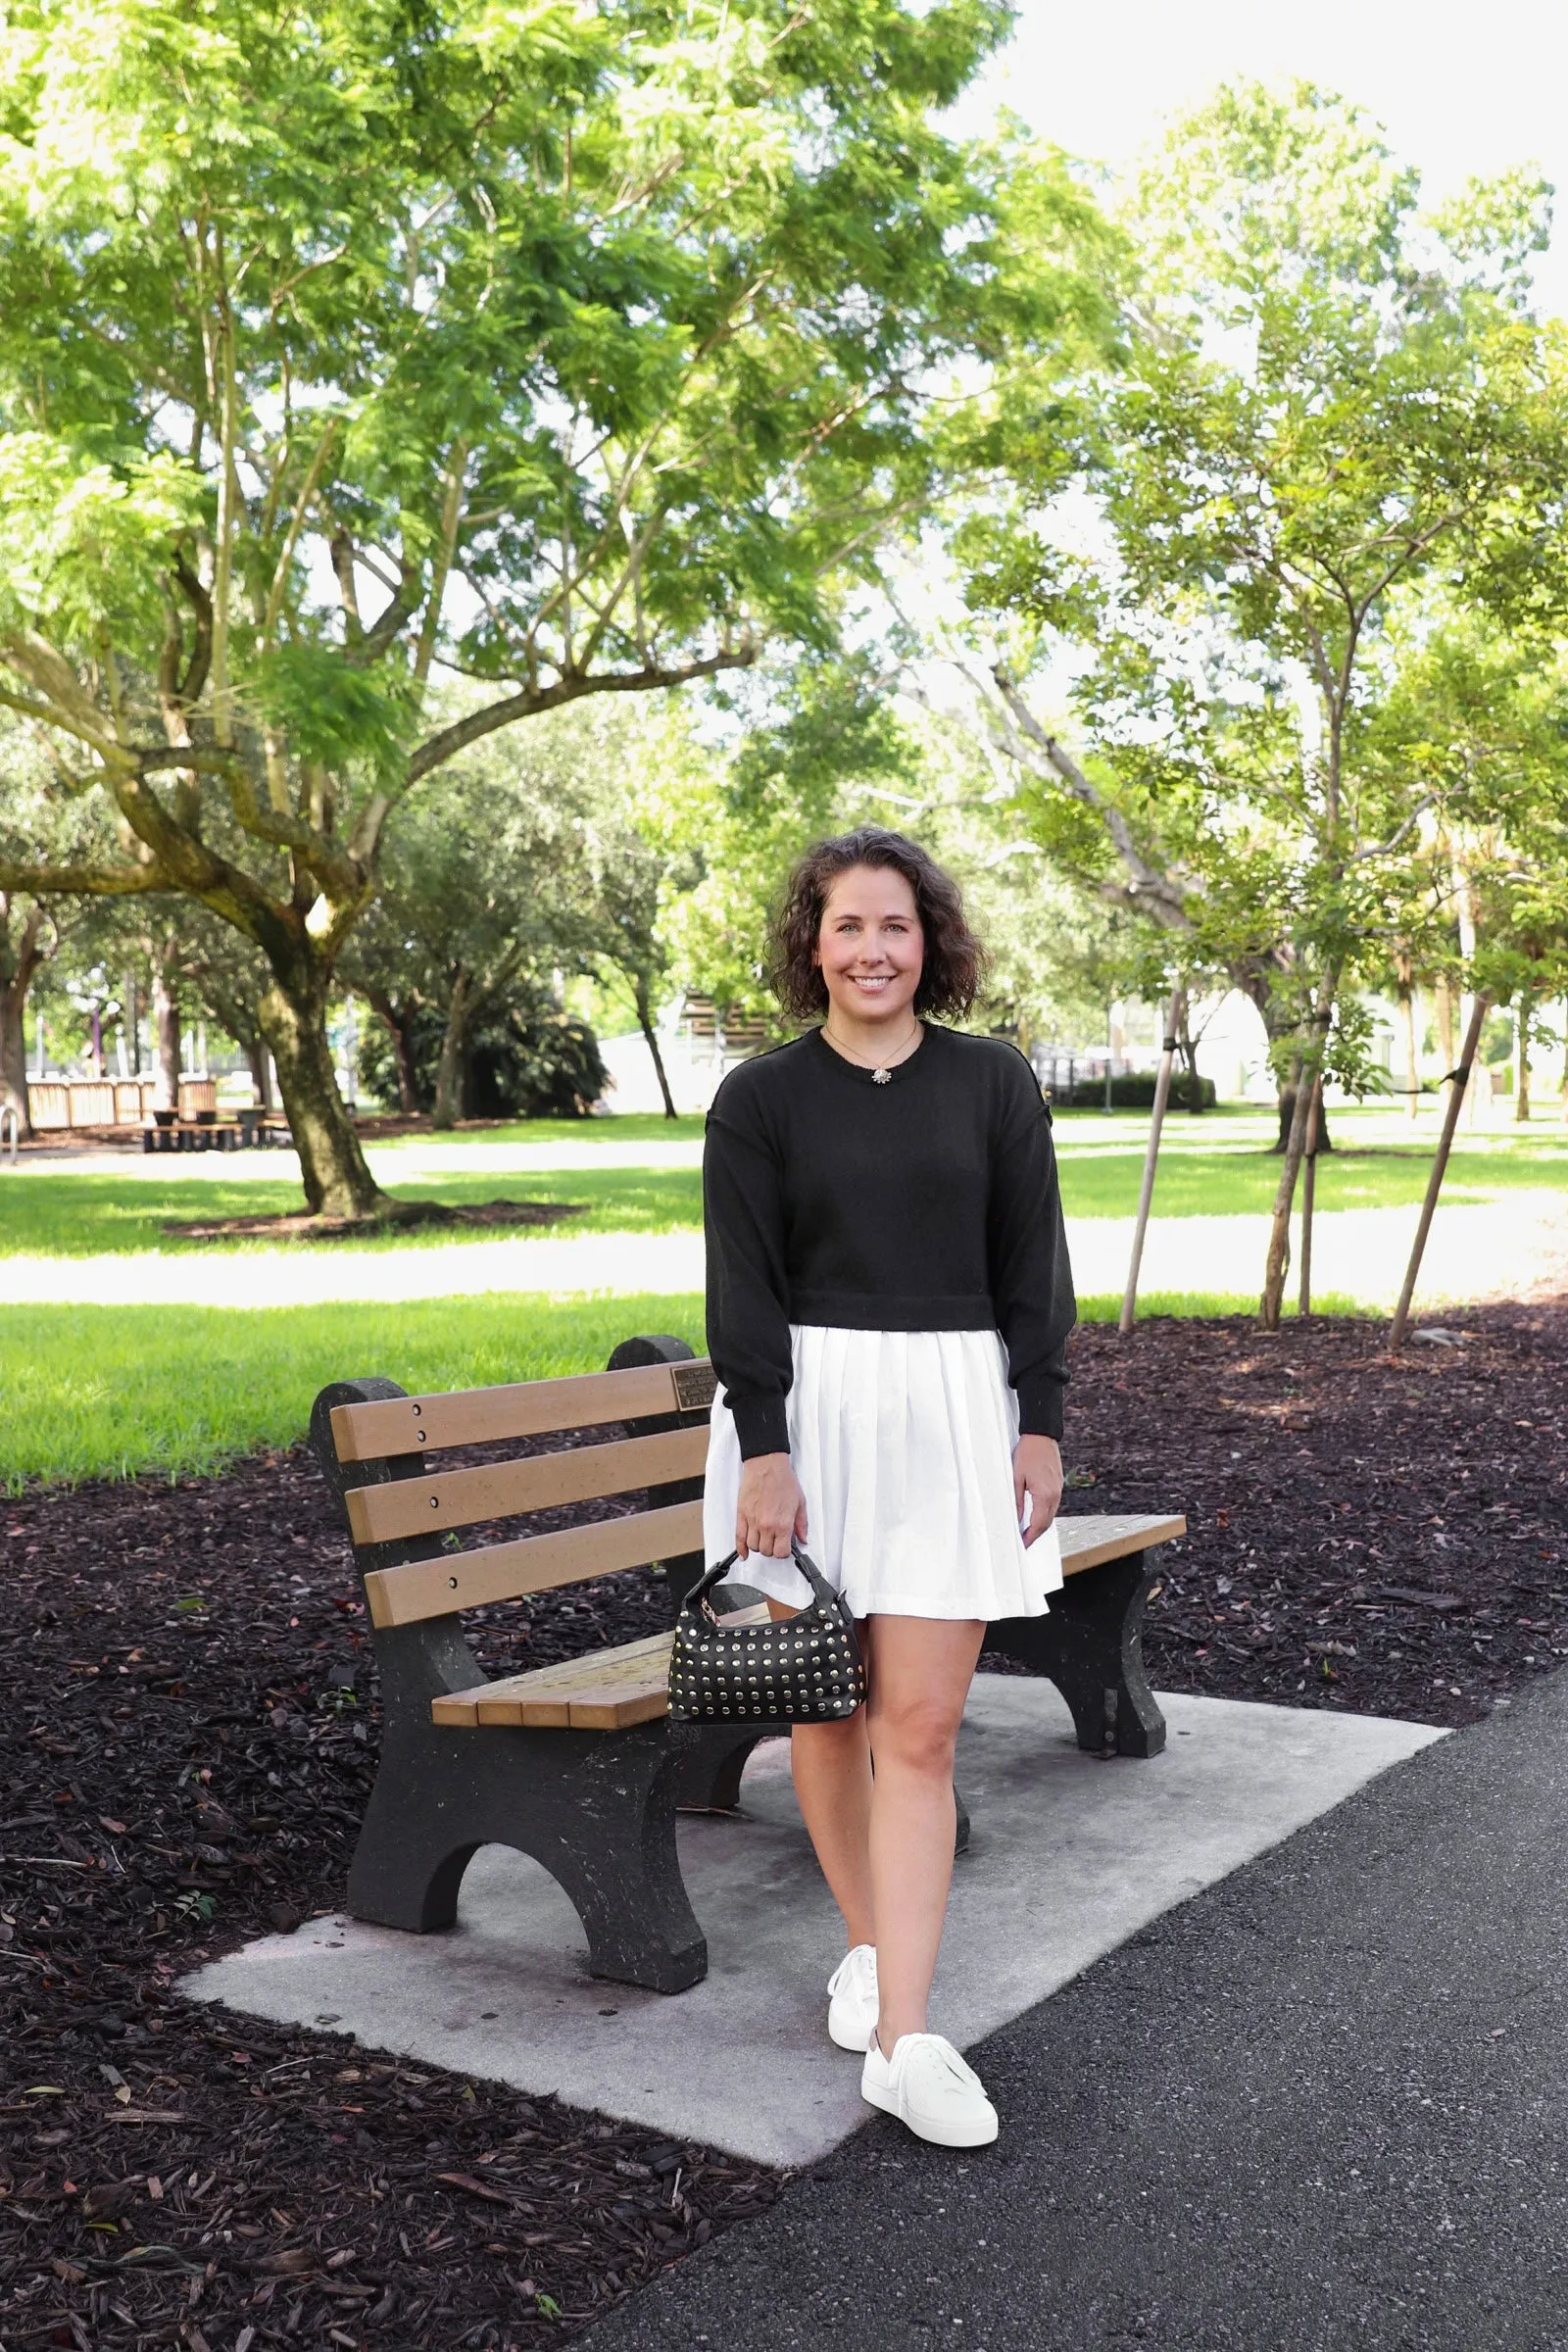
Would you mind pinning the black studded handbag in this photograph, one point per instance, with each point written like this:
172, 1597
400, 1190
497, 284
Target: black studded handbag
803, 1669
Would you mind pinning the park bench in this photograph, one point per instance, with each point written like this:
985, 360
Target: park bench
577, 1763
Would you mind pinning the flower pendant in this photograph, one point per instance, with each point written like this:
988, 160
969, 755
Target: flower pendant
881, 1077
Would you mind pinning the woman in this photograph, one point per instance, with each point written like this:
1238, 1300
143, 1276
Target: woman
889, 1300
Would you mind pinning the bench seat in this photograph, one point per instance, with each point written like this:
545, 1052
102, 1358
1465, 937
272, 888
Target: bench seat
604, 1692
609, 1690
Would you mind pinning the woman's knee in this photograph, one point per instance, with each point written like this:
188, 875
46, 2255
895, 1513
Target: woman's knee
917, 1734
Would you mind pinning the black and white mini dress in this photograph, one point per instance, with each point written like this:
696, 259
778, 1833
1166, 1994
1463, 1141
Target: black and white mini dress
889, 1301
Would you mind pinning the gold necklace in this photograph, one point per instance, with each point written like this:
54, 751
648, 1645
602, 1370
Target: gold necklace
881, 1071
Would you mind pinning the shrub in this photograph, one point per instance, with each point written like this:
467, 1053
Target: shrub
528, 1061
1134, 1090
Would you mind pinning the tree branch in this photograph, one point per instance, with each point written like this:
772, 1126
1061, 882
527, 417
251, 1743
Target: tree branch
296, 523
82, 881
437, 749
1026, 737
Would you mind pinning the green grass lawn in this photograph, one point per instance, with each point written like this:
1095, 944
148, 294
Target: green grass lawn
52, 1211
95, 1392
634, 1127
61, 1213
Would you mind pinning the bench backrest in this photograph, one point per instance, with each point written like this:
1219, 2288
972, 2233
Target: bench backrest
411, 1504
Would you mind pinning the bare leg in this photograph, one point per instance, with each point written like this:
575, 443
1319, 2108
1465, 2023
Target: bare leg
831, 1764
920, 1669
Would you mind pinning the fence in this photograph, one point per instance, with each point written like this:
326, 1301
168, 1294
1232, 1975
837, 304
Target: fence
64, 1102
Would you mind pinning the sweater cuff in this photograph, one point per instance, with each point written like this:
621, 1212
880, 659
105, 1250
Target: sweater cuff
761, 1423
1039, 1406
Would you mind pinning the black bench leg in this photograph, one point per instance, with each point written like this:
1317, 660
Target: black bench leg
1091, 1647
406, 1870
712, 1759
615, 1856
598, 1810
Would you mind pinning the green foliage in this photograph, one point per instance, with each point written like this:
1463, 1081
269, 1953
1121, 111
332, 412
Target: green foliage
1134, 1090
820, 745
579, 349
1330, 409
526, 1059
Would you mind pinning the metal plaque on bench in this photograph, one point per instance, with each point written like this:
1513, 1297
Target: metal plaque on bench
695, 1387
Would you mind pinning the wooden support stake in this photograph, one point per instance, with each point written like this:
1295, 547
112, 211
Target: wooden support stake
1308, 1192
1450, 1119
1129, 1304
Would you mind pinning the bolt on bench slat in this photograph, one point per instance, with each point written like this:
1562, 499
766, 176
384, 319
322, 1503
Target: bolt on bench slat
529, 1408
411, 1506
468, 1580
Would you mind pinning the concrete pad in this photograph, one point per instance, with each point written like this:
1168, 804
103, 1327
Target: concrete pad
1071, 1856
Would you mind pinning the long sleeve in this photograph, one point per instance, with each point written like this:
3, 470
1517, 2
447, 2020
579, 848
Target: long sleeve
748, 1289
1031, 1278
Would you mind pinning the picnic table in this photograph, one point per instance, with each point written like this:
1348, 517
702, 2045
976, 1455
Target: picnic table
206, 1132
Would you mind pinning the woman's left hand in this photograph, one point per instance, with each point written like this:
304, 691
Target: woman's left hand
1037, 1473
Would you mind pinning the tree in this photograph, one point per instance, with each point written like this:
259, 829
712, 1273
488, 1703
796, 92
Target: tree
577, 351
33, 926
486, 884
633, 881
1332, 399
525, 1057
1476, 716
26, 939
229, 978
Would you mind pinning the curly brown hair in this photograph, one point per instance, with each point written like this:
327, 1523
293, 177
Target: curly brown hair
955, 959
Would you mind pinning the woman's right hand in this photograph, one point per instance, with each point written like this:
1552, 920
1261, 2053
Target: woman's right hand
770, 1507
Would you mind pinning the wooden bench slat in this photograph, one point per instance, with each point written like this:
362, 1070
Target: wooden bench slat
528, 1408
410, 1506
1092, 1537
602, 1690
468, 1580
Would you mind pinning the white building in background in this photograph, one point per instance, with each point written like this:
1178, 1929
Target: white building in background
696, 1047
1232, 1050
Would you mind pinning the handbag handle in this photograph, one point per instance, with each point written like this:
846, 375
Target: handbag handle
697, 1597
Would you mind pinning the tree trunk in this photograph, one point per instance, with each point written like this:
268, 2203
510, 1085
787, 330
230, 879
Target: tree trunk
1188, 1053
166, 1021
1412, 1064
1281, 1143
1279, 1240
403, 1053
1521, 1061
646, 1024
255, 1048
397, 1022
19, 965
449, 1069
332, 1166
1308, 1071
1443, 999
1279, 1025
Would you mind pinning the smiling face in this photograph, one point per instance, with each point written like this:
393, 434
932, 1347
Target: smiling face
870, 948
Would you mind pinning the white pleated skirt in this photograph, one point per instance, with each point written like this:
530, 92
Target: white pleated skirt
903, 1443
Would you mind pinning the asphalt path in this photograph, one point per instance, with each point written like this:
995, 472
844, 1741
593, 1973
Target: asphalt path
1324, 2104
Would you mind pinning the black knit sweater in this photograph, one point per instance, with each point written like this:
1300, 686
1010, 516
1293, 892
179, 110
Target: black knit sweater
929, 1202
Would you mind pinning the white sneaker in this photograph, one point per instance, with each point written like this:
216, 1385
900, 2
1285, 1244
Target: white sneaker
851, 2010
927, 2085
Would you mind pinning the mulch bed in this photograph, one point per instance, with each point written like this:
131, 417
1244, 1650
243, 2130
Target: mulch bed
299, 1225
186, 1741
